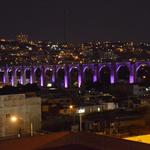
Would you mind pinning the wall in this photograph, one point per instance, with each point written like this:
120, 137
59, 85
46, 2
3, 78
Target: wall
26, 110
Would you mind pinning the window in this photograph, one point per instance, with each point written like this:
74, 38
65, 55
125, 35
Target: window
7, 115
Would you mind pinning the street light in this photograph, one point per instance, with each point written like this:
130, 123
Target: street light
70, 107
81, 111
49, 85
14, 119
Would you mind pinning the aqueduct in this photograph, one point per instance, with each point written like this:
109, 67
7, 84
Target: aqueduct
62, 74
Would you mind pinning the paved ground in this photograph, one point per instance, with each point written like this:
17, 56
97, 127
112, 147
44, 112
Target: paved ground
72, 147
71, 141
84, 141
30, 143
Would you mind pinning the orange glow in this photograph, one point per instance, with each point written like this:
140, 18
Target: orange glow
14, 118
71, 106
140, 138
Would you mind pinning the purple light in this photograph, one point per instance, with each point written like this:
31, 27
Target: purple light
131, 80
21, 79
12, 81
4, 79
42, 80
31, 79
66, 81
112, 79
79, 81
95, 78
53, 78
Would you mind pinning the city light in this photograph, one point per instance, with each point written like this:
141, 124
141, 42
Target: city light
70, 106
49, 85
14, 119
81, 111
144, 77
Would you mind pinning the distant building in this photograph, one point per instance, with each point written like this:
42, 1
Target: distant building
105, 106
22, 38
139, 90
19, 114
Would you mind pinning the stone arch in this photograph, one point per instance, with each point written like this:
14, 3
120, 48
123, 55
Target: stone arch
18, 75
123, 73
48, 73
85, 68
103, 66
10, 76
105, 74
48, 69
141, 65
37, 75
2, 74
88, 75
27, 75
60, 77
143, 73
75, 78
73, 67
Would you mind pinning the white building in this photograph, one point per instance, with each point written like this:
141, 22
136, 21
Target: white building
105, 106
19, 113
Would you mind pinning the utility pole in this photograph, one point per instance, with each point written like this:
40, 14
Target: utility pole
31, 129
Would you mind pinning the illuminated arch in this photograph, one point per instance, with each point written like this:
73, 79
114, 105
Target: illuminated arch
28, 79
10, 76
19, 77
38, 75
88, 74
142, 75
73, 67
75, 80
2, 74
103, 66
122, 65
48, 68
60, 77
141, 65
121, 68
100, 71
48, 74
35, 69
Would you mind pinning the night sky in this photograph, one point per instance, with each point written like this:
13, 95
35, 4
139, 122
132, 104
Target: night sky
111, 20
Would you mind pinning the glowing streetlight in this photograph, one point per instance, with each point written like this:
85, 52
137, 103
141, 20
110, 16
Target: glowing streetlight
70, 106
144, 77
14, 119
49, 85
81, 111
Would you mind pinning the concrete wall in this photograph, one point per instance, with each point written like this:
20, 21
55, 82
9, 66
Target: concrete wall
26, 110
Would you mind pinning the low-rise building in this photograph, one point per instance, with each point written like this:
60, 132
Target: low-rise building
19, 114
105, 106
139, 90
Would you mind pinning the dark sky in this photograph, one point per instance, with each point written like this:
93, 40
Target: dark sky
110, 20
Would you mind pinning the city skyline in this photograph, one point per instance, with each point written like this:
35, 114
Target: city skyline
85, 20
